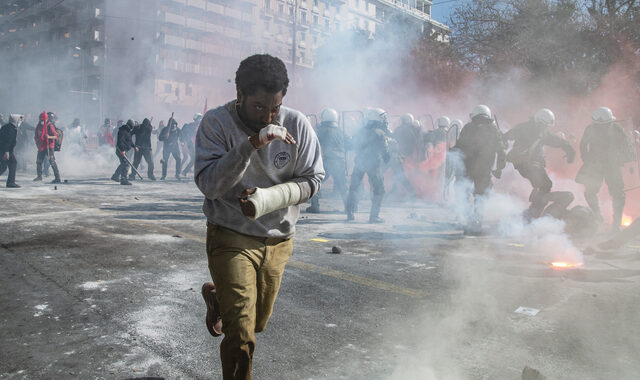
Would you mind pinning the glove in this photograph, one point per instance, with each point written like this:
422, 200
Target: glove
571, 157
497, 173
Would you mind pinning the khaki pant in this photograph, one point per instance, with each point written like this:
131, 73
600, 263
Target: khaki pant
247, 271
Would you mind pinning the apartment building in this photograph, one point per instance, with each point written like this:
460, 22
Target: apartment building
98, 58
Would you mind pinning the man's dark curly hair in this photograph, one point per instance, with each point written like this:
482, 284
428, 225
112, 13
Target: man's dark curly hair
262, 71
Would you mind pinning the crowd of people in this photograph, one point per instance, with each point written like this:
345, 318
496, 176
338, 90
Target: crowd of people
476, 152
132, 142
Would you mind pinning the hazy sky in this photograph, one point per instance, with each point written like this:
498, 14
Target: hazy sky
441, 9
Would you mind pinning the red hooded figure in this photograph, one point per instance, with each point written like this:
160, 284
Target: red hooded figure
43, 130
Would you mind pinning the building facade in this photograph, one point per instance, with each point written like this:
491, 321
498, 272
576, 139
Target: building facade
113, 58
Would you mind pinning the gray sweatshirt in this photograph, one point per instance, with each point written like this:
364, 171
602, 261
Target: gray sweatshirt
227, 164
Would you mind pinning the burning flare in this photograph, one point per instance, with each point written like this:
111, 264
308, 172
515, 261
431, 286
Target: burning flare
626, 221
564, 265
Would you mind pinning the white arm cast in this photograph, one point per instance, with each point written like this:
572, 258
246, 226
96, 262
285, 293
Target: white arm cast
275, 198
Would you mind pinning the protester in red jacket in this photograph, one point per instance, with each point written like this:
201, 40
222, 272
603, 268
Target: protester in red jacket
45, 137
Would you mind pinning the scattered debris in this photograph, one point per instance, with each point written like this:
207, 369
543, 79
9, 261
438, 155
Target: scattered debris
136, 198
527, 311
519, 245
320, 240
66, 181
55, 188
336, 250
412, 215
529, 373
177, 236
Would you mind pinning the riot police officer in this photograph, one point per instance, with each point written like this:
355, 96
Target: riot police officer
372, 152
332, 142
480, 145
604, 149
527, 155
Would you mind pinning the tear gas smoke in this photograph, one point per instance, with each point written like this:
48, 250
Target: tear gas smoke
353, 73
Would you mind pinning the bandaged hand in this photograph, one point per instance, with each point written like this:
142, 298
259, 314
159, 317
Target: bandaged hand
258, 201
269, 133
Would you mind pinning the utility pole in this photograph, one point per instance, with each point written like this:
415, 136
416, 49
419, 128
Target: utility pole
294, 39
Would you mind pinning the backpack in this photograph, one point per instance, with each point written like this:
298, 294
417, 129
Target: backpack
58, 142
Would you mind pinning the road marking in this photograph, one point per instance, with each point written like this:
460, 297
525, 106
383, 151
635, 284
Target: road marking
366, 281
354, 278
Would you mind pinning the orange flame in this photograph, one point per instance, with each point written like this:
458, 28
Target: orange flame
626, 221
564, 265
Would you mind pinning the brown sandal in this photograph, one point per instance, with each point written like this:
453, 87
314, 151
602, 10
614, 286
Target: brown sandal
214, 321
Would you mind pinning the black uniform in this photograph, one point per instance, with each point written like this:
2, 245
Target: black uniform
396, 163
8, 137
170, 137
143, 142
124, 144
23, 146
409, 141
527, 156
372, 152
604, 149
187, 137
480, 145
435, 136
332, 142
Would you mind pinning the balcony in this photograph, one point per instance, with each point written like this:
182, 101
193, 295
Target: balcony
400, 6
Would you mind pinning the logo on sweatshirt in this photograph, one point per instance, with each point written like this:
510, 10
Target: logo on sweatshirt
281, 160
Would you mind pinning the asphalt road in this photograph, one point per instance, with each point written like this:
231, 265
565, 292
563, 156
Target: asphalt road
102, 281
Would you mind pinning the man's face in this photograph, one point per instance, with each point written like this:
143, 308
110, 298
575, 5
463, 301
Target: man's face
260, 108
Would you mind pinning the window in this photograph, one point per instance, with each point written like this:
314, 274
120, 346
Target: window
96, 35
189, 90
315, 20
267, 4
303, 17
97, 12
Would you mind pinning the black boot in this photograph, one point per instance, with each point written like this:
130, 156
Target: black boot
12, 185
376, 204
125, 182
315, 205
